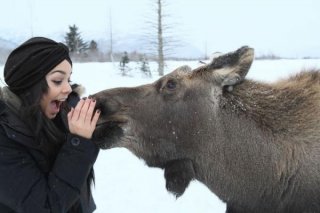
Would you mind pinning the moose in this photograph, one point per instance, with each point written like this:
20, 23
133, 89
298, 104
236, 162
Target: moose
255, 145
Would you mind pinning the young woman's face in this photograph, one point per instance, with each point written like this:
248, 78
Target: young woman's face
59, 88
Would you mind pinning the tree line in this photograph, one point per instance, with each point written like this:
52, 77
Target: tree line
159, 36
84, 51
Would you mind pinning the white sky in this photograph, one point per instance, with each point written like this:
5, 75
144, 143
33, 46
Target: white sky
287, 28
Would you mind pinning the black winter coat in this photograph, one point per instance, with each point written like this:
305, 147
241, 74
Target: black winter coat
29, 185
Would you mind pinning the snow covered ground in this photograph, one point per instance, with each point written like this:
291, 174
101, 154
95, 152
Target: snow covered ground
123, 182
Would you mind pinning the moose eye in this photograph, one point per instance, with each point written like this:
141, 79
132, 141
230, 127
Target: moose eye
171, 84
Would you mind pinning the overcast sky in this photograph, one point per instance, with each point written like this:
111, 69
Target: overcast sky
289, 28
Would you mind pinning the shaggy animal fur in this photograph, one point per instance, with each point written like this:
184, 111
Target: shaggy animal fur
255, 145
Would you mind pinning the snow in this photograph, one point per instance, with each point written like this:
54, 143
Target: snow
123, 182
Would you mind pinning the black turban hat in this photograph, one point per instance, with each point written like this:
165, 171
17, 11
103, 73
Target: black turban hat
31, 61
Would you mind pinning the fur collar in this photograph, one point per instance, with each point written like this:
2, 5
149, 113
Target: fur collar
10, 99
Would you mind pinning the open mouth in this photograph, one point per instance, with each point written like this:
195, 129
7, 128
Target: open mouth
55, 106
108, 133
110, 127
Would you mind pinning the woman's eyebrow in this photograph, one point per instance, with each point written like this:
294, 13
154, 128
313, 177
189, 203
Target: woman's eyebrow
58, 71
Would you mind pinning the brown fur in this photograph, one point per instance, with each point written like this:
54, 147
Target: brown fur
255, 145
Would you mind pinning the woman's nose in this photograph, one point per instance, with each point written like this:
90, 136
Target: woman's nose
67, 88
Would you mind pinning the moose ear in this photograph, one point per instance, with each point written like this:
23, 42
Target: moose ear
231, 68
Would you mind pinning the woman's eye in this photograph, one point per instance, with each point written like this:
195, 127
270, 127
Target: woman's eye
171, 84
57, 82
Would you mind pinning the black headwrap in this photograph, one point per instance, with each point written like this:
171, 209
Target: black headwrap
31, 61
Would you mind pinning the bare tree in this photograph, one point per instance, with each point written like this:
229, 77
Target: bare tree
111, 36
160, 34
160, 39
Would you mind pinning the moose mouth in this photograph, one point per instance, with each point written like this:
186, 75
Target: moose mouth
108, 133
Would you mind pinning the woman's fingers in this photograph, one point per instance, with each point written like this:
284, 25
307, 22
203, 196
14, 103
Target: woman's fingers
83, 119
77, 110
90, 111
83, 110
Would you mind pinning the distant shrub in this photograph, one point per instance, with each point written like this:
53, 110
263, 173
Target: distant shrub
269, 56
144, 65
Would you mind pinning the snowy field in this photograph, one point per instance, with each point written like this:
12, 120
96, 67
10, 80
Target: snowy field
123, 182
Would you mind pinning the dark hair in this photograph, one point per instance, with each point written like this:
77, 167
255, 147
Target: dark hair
46, 133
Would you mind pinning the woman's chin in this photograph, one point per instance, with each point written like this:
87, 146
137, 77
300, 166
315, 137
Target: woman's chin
51, 115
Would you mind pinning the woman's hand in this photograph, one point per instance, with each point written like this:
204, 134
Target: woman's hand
82, 119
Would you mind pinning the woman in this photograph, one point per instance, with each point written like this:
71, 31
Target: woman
46, 152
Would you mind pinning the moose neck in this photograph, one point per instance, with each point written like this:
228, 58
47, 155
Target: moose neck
275, 108
247, 153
